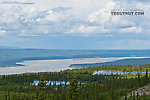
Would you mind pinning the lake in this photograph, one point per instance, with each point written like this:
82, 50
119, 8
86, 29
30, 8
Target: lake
18, 61
55, 82
34, 66
116, 72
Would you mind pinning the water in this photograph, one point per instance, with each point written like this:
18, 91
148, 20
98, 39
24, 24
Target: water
36, 60
116, 72
55, 82
9, 57
129, 61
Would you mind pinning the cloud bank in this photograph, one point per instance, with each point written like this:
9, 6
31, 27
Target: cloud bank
32, 21
11, 2
76, 18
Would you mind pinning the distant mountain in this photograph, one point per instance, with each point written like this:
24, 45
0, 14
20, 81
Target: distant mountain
9, 47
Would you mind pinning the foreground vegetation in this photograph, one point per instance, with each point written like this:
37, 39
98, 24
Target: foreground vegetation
98, 87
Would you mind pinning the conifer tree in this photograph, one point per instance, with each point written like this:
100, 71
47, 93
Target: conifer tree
146, 73
42, 87
146, 77
73, 90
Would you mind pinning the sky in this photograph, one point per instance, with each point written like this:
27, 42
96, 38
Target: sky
74, 24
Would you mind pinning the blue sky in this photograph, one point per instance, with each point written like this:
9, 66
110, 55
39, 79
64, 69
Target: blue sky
74, 24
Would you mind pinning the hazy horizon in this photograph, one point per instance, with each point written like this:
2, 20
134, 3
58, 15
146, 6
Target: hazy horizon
15, 47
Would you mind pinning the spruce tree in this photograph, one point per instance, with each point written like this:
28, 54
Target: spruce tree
42, 87
73, 90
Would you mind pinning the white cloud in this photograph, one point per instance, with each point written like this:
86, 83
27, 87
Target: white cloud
115, 24
86, 30
71, 17
2, 32
132, 29
103, 15
16, 2
18, 21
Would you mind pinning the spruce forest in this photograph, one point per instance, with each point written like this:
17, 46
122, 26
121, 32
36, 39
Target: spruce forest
96, 87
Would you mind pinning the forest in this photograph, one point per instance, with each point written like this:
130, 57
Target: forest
97, 87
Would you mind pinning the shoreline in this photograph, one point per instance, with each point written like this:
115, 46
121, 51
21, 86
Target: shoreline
35, 66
